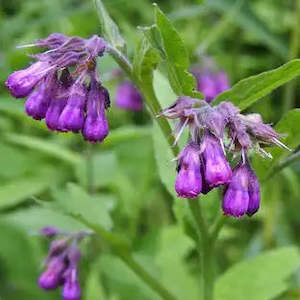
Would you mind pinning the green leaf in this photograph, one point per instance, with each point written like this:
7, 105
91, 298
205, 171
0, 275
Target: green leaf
19, 190
110, 29
261, 278
289, 126
76, 202
34, 218
182, 82
94, 288
249, 90
43, 146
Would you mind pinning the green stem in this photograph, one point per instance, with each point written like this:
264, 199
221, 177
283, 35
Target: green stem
289, 93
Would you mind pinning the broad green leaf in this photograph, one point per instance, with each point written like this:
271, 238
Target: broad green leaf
34, 218
289, 126
249, 90
261, 278
182, 82
109, 28
43, 146
76, 202
19, 190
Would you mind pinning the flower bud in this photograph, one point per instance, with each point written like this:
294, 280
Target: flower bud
51, 278
37, 104
21, 83
189, 180
95, 127
71, 289
128, 97
217, 170
254, 194
236, 197
72, 116
50, 231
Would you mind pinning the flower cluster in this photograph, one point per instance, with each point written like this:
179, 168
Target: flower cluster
62, 263
210, 80
215, 131
63, 86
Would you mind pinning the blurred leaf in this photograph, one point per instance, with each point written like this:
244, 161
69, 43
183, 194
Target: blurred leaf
103, 169
182, 82
76, 202
109, 28
94, 288
261, 278
250, 23
34, 218
20, 189
173, 270
249, 90
43, 146
123, 280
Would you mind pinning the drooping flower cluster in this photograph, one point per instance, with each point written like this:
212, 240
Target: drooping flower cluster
210, 80
63, 86
202, 164
62, 263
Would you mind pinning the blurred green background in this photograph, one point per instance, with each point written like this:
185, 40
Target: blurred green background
245, 38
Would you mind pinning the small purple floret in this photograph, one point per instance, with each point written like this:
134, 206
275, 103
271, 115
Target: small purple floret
217, 170
189, 180
128, 97
72, 116
50, 231
71, 289
254, 194
236, 197
21, 83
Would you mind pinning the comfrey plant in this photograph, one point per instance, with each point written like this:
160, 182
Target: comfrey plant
63, 86
215, 132
62, 262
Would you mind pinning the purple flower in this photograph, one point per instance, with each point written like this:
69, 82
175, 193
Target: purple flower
21, 83
189, 180
236, 197
254, 193
128, 97
207, 85
51, 278
72, 116
71, 289
50, 231
217, 170
222, 82
95, 127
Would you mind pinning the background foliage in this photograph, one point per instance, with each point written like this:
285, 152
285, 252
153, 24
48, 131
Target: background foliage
46, 177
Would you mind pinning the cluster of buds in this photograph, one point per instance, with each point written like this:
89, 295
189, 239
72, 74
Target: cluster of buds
63, 86
62, 263
215, 132
210, 80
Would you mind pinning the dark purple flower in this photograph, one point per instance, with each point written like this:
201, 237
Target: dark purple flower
217, 170
254, 193
51, 278
207, 85
236, 197
72, 116
189, 180
71, 289
95, 127
37, 103
128, 97
21, 83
